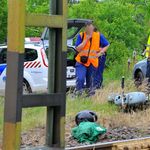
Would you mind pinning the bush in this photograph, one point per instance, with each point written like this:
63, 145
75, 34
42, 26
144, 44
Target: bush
3, 20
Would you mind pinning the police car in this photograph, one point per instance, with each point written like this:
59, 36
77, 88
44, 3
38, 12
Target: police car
36, 62
35, 69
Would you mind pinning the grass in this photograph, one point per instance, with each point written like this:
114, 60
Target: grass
73, 107
33, 117
108, 115
1, 115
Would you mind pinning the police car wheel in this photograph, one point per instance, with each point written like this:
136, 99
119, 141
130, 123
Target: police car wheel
26, 88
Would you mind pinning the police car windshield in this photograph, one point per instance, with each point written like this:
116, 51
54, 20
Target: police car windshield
47, 34
3, 55
29, 55
70, 32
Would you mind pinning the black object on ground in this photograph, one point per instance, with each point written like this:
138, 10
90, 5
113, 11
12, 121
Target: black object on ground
86, 116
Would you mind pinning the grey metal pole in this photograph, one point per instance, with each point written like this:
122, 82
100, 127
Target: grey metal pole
61, 56
56, 130
129, 61
122, 86
51, 75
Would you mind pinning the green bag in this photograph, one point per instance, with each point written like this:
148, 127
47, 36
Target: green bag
88, 132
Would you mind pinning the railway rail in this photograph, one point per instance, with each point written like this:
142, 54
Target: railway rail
133, 144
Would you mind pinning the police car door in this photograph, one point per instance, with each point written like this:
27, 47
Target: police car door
3, 55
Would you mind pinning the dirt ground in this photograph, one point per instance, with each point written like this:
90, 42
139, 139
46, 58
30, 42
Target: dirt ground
128, 126
36, 137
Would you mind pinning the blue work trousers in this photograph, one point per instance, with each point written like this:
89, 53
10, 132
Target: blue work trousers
82, 73
148, 75
98, 79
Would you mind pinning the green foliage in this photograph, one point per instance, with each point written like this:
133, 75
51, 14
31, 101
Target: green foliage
114, 20
141, 14
121, 22
3, 20
142, 6
36, 7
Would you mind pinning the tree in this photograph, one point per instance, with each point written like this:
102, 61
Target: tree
141, 15
115, 20
3, 20
36, 7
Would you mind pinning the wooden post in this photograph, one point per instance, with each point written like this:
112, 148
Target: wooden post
129, 61
14, 74
14, 99
134, 53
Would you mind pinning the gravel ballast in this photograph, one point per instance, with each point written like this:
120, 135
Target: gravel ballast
37, 137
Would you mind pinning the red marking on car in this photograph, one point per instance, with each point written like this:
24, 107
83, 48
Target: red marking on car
43, 58
39, 66
29, 65
36, 64
25, 64
33, 64
35, 39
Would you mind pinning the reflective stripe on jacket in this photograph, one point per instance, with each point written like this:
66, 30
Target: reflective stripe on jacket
93, 50
148, 46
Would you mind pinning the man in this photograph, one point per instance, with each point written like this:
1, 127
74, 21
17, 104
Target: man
87, 45
146, 52
148, 65
104, 45
148, 72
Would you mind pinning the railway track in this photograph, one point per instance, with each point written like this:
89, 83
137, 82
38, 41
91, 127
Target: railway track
133, 144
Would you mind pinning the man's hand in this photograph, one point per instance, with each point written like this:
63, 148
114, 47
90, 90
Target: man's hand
98, 54
100, 49
88, 36
82, 45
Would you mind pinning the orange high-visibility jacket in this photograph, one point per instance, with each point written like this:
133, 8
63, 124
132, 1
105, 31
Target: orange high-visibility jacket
93, 50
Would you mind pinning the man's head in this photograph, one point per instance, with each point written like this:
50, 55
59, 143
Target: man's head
89, 28
95, 29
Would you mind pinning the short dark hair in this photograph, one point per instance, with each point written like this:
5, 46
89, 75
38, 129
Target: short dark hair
95, 29
88, 23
